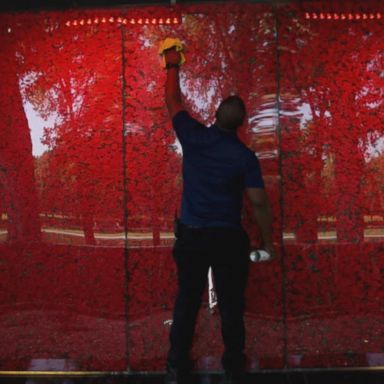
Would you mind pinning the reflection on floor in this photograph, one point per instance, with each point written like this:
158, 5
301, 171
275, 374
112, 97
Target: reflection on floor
293, 377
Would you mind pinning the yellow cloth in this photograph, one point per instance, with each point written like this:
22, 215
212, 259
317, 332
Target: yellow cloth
169, 43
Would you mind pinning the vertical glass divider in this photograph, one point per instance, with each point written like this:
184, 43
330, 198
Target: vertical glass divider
281, 194
125, 194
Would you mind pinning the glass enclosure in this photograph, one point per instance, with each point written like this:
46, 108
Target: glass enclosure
90, 180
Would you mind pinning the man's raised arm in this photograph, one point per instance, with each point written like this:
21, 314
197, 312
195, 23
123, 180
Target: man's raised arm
172, 84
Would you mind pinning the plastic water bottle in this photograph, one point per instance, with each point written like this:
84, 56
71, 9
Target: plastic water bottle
259, 255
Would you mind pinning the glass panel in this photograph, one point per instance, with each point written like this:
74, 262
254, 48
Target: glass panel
90, 179
62, 230
332, 151
238, 57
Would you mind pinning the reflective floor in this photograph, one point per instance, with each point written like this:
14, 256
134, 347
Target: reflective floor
302, 377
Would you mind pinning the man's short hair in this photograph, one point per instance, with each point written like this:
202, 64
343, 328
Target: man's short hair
231, 113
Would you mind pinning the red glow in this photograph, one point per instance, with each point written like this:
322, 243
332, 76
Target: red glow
176, 20
133, 21
80, 185
342, 16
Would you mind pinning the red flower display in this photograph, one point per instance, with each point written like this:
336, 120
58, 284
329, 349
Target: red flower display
90, 180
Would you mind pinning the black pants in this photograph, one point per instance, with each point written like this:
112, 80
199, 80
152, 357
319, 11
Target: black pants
226, 250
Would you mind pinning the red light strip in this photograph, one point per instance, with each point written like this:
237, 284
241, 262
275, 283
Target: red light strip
124, 21
343, 16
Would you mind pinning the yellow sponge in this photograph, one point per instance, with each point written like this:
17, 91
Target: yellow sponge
169, 43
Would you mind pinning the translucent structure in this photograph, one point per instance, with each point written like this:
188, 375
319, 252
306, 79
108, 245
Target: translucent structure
90, 179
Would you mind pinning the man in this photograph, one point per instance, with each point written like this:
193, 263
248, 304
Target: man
217, 169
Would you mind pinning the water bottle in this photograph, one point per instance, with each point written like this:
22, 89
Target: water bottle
259, 255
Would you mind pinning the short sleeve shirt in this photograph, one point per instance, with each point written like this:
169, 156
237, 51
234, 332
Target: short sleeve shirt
217, 167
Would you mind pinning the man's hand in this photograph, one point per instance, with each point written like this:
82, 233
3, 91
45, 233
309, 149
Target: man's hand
271, 250
172, 56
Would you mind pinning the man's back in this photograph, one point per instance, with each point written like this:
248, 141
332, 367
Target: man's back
217, 167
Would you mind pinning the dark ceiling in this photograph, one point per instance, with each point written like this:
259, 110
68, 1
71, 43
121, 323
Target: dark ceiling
28, 5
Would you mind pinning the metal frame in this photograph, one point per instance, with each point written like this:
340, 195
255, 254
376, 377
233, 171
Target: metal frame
373, 370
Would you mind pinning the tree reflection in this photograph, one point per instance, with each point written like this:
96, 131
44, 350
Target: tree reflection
337, 73
17, 182
64, 79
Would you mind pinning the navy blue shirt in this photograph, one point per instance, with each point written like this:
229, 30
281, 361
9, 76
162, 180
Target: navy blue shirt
217, 167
